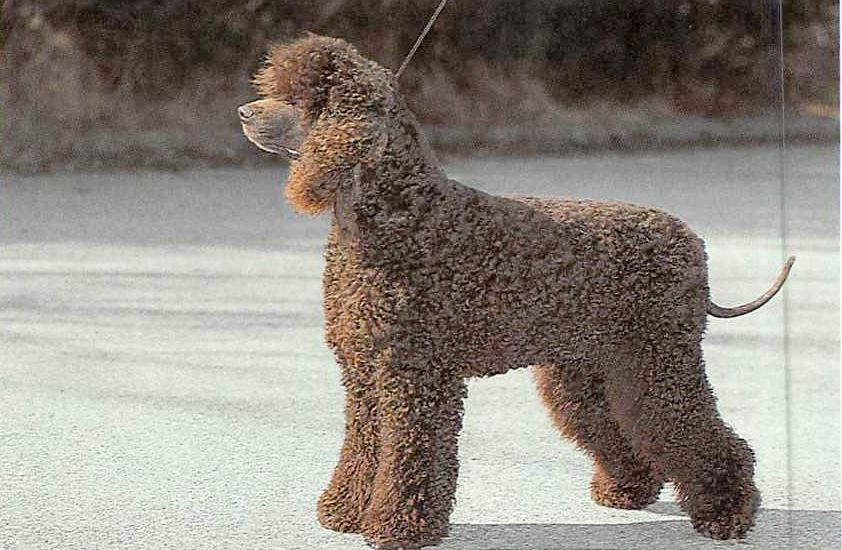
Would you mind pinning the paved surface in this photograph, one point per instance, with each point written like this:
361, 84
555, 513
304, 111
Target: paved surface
164, 384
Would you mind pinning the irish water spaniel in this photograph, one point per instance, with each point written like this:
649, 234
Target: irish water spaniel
428, 282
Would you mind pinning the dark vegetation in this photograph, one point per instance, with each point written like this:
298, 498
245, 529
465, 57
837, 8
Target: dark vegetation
90, 83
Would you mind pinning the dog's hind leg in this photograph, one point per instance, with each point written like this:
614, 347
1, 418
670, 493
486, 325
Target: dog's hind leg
666, 408
574, 396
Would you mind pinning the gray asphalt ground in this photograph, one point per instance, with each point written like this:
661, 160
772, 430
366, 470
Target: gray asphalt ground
164, 383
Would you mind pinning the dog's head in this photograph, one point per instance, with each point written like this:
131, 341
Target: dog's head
323, 106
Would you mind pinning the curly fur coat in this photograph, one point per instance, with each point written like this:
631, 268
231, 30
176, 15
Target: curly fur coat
428, 282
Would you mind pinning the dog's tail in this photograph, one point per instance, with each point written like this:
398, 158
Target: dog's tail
725, 312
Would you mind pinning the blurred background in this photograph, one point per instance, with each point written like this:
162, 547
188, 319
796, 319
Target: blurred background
154, 83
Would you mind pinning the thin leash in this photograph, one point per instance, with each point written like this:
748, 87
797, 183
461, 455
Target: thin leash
420, 39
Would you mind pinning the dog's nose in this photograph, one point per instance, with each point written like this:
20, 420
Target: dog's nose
245, 112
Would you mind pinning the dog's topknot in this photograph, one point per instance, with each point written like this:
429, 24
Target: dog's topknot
309, 69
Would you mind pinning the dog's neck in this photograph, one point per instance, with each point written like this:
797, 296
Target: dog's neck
387, 201
405, 168
407, 151
376, 211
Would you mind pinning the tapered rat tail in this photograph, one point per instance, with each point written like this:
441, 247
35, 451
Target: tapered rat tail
726, 312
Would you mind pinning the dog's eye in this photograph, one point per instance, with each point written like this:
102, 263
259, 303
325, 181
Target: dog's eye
293, 101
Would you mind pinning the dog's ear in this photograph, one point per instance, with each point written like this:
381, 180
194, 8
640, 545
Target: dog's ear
334, 146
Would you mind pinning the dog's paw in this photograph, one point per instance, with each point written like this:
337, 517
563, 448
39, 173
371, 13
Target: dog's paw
728, 518
388, 532
403, 544
634, 495
338, 514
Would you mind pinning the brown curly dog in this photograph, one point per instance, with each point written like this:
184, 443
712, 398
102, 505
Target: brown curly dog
428, 282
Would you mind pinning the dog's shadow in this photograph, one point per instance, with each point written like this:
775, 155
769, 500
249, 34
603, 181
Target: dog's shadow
803, 529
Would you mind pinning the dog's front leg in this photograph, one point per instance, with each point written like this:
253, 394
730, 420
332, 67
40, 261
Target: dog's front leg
342, 504
420, 412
